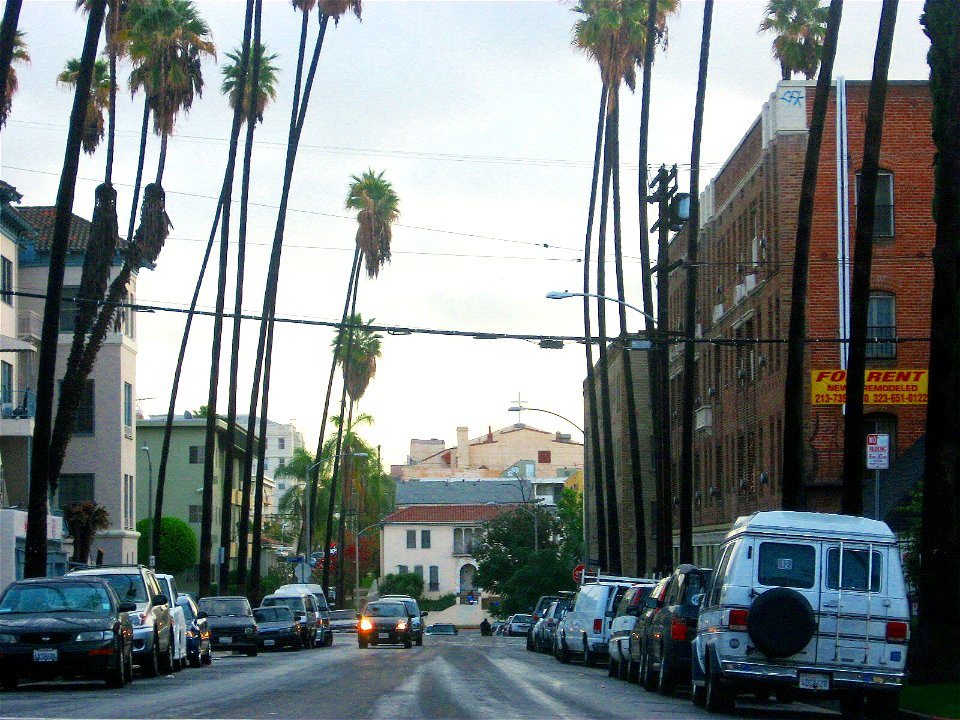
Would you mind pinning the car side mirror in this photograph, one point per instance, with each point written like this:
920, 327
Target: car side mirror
202, 615
127, 607
633, 610
160, 599
697, 599
424, 613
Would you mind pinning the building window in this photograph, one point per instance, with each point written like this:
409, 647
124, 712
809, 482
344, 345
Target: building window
6, 280
411, 538
196, 513
197, 454
543, 457
128, 409
74, 489
123, 321
6, 382
129, 503
281, 463
883, 205
418, 570
463, 541
86, 411
424, 538
882, 325
434, 578
282, 443
68, 308
402, 569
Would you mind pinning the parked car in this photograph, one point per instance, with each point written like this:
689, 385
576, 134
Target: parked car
806, 603
231, 623
178, 621
497, 626
441, 629
343, 621
416, 616
384, 622
519, 624
277, 627
625, 617
65, 627
585, 628
324, 633
544, 630
198, 632
538, 610
304, 609
153, 641
667, 628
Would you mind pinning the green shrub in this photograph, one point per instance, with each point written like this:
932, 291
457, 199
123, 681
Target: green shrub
277, 575
402, 584
178, 545
441, 603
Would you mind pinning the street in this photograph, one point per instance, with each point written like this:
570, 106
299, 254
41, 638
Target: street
466, 676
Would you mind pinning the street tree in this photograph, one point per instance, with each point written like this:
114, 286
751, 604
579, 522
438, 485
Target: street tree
84, 519
801, 29
12, 84
178, 545
99, 99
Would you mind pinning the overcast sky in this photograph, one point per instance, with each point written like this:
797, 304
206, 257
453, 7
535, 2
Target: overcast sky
483, 116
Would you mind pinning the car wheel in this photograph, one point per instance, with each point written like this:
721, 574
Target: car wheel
666, 683
9, 682
698, 695
420, 641
207, 658
328, 639
195, 661
128, 666
613, 668
151, 668
633, 671
762, 695
562, 654
588, 657
719, 698
882, 705
530, 646
252, 652
363, 645
408, 644
647, 678
117, 677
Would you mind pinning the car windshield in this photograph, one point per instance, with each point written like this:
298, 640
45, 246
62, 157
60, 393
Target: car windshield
130, 588
272, 614
386, 610
293, 602
188, 614
224, 607
343, 614
35, 598
521, 618
443, 629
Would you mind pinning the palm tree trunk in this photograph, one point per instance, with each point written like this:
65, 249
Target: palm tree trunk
162, 162
36, 541
794, 460
614, 557
254, 590
252, 69
144, 129
937, 640
851, 493
690, 300
593, 421
8, 35
346, 494
112, 110
662, 382
633, 439
210, 444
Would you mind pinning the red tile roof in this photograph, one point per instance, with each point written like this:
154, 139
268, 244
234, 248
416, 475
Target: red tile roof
42, 218
446, 513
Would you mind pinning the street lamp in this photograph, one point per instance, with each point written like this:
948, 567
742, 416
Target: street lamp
356, 560
306, 499
561, 294
152, 560
518, 408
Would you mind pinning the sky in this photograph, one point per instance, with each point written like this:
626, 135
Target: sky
483, 116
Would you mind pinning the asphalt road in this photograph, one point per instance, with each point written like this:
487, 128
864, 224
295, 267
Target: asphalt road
465, 676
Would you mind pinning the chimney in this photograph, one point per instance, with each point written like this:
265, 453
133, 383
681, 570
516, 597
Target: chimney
489, 433
463, 448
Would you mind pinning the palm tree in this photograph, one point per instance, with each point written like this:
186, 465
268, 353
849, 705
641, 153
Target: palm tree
800, 27
99, 99
357, 358
266, 83
8, 42
793, 446
20, 55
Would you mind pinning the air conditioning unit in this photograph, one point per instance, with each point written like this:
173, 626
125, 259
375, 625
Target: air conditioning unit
739, 293
717, 312
750, 281
711, 392
743, 483
764, 478
6, 410
714, 491
762, 361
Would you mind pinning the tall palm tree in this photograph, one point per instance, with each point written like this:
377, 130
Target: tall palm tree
266, 82
794, 460
800, 27
357, 358
937, 640
8, 41
36, 541
99, 99
19, 54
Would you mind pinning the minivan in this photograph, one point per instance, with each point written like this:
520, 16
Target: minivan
324, 633
585, 628
304, 609
808, 603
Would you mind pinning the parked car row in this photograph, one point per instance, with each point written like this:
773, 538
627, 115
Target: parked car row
799, 604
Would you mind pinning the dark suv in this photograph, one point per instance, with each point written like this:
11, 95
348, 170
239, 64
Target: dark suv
413, 611
231, 623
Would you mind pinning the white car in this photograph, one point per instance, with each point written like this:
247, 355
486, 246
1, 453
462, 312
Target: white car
519, 624
177, 620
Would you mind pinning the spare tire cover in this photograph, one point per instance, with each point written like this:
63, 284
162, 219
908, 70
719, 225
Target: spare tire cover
781, 622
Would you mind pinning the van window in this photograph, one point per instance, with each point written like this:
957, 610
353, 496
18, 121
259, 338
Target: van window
617, 595
786, 565
855, 568
692, 584
719, 575
587, 599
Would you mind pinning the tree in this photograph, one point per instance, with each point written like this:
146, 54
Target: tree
83, 520
178, 545
357, 359
12, 84
402, 584
800, 27
266, 84
99, 99
793, 461
8, 42
937, 640
570, 513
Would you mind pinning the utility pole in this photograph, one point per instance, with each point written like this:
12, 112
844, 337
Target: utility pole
665, 186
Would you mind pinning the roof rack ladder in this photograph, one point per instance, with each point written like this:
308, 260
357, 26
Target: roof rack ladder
836, 639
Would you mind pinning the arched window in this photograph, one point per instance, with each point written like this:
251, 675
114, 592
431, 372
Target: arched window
882, 325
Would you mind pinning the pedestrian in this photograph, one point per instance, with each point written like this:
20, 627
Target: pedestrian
485, 627
99, 559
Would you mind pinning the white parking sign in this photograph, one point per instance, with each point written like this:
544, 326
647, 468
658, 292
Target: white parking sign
878, 451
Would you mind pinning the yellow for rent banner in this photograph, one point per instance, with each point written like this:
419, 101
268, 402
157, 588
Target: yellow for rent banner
881, 387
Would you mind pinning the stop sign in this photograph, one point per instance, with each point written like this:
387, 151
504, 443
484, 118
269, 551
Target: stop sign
578, 573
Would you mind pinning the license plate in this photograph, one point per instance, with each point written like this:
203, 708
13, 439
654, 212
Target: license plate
269, 643
45, 655
226, 640
814, 681
384, 636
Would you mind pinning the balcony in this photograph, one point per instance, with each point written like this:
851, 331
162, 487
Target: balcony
29, 325
18, 414
463, 549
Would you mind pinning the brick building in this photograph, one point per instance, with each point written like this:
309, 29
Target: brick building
748, 227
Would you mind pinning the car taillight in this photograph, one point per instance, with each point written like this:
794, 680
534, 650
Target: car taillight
535, 617
896, 632
678, 629
365, 624
738, 619
597, 626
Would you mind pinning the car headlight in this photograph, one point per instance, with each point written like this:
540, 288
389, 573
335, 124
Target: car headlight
401, 625
249, 630
95, 635
7, 638
365, 624
191, 633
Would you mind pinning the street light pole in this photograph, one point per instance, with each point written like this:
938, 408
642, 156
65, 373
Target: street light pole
152, 560
518, 408
561, 294
307, 556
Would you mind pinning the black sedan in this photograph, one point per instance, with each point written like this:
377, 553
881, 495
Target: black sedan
64, 627
198, 632
384, 623
278, 627
231, 623
441, 629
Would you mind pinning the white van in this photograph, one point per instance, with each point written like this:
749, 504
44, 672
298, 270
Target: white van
804, 602
585, 627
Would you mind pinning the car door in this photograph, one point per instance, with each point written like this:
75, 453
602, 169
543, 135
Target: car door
623, 623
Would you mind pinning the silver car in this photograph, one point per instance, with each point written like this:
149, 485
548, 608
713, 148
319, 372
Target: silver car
519, 624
